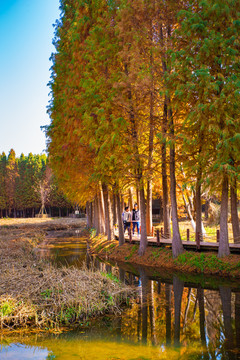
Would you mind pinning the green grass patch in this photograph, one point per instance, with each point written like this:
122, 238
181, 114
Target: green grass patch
111, 277
6, 308
204, 261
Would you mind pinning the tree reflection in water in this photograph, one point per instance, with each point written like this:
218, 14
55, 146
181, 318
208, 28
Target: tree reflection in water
175, 314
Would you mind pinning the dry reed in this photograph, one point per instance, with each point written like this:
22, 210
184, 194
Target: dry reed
35, 293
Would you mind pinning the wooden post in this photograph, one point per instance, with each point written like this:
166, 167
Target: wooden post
218, 235
130, 234
188, 234
153, 231
161, 232
198, 241
158, 238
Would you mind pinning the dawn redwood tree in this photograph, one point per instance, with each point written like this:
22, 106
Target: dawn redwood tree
167, 23
204, 77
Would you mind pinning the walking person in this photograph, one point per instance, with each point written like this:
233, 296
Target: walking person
136, 218
127, 218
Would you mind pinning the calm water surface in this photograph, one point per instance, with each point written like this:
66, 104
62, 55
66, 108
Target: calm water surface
172, 317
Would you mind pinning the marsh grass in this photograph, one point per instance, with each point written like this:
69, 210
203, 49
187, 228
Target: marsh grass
34, 293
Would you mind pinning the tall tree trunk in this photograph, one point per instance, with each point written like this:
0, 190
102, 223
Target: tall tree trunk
166, 212
137, 196
97, 219
223, 249
121, 238
122, 203
234, 212
101, 212
143, 238
177, 246
89, 221
198, 206
108, 215
149, 221
206, 208
114, 209
150, 141
130, 199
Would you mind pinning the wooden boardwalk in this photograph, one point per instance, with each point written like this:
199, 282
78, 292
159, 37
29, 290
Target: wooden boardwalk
188, 245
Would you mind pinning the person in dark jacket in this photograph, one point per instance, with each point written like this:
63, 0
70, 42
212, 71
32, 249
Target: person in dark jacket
136, 218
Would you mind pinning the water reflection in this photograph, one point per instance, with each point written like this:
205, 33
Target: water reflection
175, 315
66, 251
169, 317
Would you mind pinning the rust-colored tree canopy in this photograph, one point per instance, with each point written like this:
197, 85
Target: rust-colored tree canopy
145, 102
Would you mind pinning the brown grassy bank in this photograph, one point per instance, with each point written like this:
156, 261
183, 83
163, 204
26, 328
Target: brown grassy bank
34, 293
189, 262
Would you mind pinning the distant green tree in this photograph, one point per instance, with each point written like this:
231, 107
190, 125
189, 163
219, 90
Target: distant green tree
3, 195
10, 181
20, 184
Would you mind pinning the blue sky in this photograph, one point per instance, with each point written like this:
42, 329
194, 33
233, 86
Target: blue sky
26, 34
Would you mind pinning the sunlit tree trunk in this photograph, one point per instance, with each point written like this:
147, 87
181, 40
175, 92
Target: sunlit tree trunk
165, 197
121, 238
177, 247
107, 212
234, 212
130, 198
198, 206
149, 222
223, 249
101, 213
143, 239
114, 209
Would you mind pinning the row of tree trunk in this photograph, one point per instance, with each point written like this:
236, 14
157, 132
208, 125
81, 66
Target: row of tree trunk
31, 212
106, 211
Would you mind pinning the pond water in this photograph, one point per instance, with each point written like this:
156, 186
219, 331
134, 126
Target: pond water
172, 317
